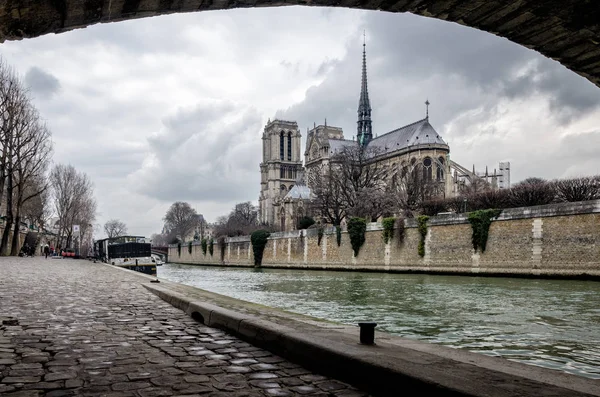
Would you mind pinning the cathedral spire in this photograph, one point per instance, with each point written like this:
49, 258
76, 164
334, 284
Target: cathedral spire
364, 132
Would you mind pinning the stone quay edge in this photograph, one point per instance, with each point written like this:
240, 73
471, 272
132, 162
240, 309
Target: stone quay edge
391, 367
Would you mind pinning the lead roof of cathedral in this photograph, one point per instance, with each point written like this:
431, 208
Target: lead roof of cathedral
417, 133
299, 192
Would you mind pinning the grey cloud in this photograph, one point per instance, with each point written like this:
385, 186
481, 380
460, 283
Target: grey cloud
42, 83
458, 69
208, 153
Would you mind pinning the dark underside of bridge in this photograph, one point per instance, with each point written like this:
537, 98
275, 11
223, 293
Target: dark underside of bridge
565, 30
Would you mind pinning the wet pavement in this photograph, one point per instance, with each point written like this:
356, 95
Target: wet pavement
75, 328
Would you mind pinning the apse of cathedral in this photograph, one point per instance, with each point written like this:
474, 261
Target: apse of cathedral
284, 195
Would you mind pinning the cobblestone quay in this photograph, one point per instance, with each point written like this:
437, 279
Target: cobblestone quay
75, 328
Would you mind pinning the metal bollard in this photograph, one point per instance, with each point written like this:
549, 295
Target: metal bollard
367, 333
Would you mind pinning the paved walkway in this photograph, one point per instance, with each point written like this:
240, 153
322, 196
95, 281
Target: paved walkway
74, 328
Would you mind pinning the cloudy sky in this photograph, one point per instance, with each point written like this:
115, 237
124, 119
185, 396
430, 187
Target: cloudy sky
172, 108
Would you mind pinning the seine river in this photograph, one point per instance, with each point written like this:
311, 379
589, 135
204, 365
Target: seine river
550, 323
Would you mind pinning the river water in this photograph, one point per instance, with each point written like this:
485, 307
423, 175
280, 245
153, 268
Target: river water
550, 323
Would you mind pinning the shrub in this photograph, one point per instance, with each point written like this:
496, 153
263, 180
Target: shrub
432, 207
203, 244
305, 222
480, 223
190, 247
178, 249
457, 204
422, 227
259, 240
338, 235
388, 229
498, 198
532, 191
211, 246
578, 189
356, 230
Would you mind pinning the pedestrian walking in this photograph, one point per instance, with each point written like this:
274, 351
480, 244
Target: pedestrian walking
46, 251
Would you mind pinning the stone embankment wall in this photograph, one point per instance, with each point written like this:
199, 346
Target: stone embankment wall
553, 240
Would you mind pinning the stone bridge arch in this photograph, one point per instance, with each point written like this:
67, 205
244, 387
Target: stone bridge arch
565, 30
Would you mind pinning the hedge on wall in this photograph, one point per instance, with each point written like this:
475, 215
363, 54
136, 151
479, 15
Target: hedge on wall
259, 242
480, 223
203, 244
211, 247
190, 247
338, 235
356, 230
179, 249
422, 227
388, 229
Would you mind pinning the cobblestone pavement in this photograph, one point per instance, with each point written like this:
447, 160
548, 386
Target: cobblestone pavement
72, 327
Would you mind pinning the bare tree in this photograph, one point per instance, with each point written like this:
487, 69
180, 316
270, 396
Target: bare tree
159, 239
353, 183
73, 195
115, 228
327, 187
412, 187
578, 189
242, 220
13, 105
26, 149
38, 209
32, 155
181, 219
372, 204
476, 185
531, 191
493, 198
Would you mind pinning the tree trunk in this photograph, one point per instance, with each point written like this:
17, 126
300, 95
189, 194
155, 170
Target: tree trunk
9, 216
15, 246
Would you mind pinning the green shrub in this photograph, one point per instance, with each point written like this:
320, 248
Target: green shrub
388, 229
211, 247
320, 232
480, 223
190, 247
338, 235
305, 222
259, 240
422, 227
203, 244
356, 230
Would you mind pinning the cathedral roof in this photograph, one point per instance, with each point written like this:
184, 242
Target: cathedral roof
418, 133
336, 145
299, 192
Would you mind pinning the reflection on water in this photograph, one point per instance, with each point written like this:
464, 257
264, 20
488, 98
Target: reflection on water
551, 323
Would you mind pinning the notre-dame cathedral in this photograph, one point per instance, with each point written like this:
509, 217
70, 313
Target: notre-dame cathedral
284, 194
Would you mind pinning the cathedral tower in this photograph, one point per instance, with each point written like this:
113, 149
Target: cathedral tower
279, 168
364, 132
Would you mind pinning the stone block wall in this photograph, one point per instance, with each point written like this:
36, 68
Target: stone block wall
554, 240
